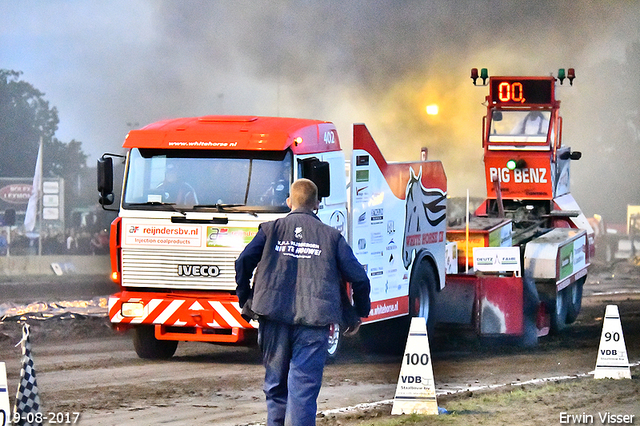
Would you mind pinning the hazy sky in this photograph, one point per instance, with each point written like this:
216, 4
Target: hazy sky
108, 66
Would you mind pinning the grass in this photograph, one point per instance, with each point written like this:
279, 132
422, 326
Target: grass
522, 405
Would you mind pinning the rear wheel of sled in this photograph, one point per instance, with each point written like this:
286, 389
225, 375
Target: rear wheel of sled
148, 347
558, 307
574, 300
566, 308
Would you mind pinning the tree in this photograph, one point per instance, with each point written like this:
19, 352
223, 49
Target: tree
63, 159
25, 117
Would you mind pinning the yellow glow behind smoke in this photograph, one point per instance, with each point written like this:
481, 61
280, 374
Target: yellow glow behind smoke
432, 109
401, 126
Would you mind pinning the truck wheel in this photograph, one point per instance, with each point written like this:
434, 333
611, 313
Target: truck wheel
148, 347
334, 342
574, 300
558, 307
421, 299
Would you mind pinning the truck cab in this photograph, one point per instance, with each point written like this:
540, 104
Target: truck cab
194, 193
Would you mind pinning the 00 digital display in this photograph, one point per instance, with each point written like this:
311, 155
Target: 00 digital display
521, 91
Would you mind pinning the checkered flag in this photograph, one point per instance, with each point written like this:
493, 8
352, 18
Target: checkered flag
27, 399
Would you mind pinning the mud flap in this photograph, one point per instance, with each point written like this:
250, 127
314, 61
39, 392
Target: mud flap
492, 305
534, 312
500, 306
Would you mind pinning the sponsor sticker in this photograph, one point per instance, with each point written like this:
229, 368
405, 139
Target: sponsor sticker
362, 175
162, 235
229, 236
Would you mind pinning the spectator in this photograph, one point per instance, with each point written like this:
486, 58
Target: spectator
301, 267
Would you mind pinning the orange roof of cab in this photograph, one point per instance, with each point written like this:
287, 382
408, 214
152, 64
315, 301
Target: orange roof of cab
218, 132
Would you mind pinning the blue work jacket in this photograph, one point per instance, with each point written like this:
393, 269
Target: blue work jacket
302, 264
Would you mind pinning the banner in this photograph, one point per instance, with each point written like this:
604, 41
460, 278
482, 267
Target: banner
32, 206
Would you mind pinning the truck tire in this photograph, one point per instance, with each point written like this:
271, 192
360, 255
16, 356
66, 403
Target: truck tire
574, 300
558, 307
148, 347
421, 296
335, 340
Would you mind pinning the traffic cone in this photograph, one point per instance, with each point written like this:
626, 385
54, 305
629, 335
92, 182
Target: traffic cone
612, 362
416, 390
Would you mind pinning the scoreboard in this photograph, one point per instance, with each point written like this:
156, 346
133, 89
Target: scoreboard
521, 90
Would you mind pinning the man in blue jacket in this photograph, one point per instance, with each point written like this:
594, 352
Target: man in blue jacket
302, 265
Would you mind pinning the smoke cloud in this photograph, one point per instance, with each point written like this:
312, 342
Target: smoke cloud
112, 66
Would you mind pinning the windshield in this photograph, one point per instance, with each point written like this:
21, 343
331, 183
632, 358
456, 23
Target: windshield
510, 126
198, 179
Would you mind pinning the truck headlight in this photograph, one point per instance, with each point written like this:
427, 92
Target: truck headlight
132, 309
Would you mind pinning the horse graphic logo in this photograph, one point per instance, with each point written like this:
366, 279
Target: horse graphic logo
425, 210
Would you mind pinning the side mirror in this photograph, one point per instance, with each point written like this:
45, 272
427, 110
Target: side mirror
575, 155
318, 172
105, 180
106, 199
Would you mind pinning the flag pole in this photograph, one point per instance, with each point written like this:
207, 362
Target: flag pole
34, 204
39, 204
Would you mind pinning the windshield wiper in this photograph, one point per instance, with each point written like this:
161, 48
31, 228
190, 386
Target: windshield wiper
222, 208
158, 203
219, 206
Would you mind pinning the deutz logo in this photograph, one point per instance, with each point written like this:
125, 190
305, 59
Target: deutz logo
198, 271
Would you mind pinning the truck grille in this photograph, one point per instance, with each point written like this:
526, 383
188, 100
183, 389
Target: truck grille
160, 269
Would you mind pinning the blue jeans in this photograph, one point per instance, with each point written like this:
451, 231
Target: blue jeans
294, 358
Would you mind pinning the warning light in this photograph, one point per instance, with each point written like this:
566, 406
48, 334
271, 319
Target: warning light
484, 75
297, 141
474, 75
516, 164
571, 74
114, 276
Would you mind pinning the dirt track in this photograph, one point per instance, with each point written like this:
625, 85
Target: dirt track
83, 366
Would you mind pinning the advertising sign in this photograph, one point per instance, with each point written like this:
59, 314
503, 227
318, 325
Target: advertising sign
144, 233
149, 233
497, 259
534, 181
15, 194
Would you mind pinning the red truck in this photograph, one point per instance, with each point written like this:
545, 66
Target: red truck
529, 243
196, 189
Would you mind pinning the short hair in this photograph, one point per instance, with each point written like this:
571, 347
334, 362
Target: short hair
304, 194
